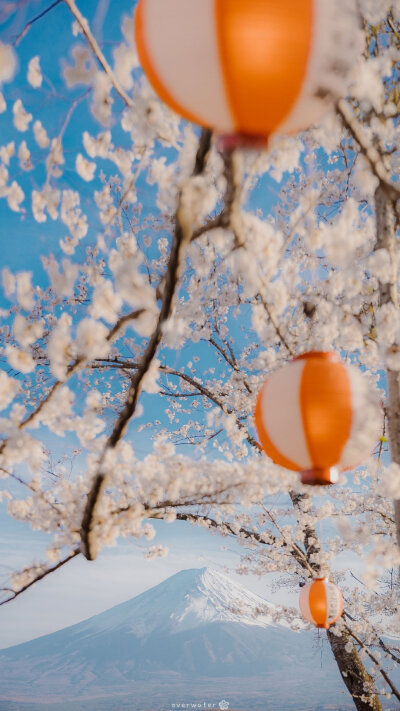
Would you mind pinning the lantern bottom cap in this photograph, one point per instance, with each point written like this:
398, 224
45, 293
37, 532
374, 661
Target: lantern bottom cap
320, 476
322, 627
231, 141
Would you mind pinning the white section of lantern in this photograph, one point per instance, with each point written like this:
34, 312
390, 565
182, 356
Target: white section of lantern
333, 601
305, 604
281, 413
182, 42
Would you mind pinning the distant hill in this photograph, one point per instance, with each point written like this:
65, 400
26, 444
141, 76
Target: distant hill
197, 638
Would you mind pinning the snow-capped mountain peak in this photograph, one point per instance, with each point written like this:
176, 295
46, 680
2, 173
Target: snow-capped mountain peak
185, 601
214, 597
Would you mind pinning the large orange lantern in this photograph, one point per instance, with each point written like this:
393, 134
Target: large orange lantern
321, 603
249, 68
318, 416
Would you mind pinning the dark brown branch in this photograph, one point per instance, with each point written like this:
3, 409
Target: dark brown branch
29, 24
224, 218
121, 323
275, 324
208, 226
223, 353
171, 281
42, 575
202, 152
31, 488
381, 643
355, 676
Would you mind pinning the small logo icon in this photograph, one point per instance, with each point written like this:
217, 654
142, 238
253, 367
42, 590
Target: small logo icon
223, 705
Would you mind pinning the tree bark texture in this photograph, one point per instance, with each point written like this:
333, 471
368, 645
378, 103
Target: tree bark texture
386, 239
358, 681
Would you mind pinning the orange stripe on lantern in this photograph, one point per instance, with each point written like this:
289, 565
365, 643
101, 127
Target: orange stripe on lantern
266, 442
264, 52
318, 603
150, 70
326, 406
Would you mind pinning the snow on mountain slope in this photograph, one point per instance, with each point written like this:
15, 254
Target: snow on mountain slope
182, 602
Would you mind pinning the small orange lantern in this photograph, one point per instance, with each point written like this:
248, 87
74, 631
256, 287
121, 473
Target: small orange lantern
248, 68
321, 603
318, 416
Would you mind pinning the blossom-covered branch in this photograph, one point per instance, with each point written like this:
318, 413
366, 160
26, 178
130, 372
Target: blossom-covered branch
179, 242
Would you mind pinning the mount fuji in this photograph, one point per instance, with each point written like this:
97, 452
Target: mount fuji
198, 637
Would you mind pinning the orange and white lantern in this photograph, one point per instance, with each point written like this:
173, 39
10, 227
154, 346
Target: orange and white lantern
318, 416
248, 67
321, 603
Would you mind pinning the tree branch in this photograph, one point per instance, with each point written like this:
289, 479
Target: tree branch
84, 25
251, 535
29, 24
370, 152
388, 294
42, 575
171, 281
232, 187
275, 324
395, 692
355, 676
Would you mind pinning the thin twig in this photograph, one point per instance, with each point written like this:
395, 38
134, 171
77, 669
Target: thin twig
31, 488
275, 324
29, 24
388, 651
231, 360
42, 575
84, 25
71, 111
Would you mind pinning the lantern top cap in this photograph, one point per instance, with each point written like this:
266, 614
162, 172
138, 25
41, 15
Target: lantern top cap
322, 355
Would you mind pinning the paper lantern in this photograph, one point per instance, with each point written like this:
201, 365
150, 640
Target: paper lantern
318, 416
321, 603
248, 67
